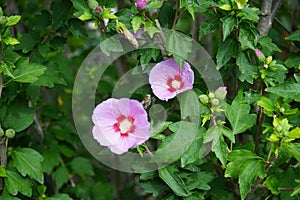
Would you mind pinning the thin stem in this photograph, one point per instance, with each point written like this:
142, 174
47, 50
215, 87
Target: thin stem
148, 150
176, 15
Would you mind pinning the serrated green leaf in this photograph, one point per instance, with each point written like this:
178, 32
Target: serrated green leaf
268, 47
159, 127
295, 133
28, 162
251, 14
61, 176
27, 72
155, 187
12, 20
293, 61
241, 3
219, 147
272, 183
179, 45
136, 23
286, 90
238, 115
153, 5
59, 197
86, 15
209, 25
223, 55
266, 103
294, 149
108, 15
82, 166
60, 13
228, 23
247, 36
80, 5
15, 183
170, 176
10, 41
199, 180
295, 36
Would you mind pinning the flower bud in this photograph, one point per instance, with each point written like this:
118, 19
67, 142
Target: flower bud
203, 98
140, 4
211, 95
273, 138
261, 57
220, 93
278, 128
1, 132
282, 110
215, 102
10, 133
98, 9
269, 60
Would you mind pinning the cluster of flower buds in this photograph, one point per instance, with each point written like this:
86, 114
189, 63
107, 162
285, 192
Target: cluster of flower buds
262, 59
215, 97
9, 133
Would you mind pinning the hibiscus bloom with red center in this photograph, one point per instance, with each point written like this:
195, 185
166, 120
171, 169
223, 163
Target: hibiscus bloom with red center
167, 79
120, 124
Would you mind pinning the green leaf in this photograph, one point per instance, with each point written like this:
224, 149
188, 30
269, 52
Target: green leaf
219, 147
247, 166
27, 72
16, 116
238, 115
293, 148
51, 160
177, 143
295, 36
155, 187
199, 180
241, 3
293, 61
80, 5
136, 22
28, 42
287, 90
223, 55
159, 127
272, 183
15, 183
102, 191
251, 14
268, 47
170, 176
166, 15
190, 6
209, 25
59, 197
179, 45
86, 15
51, 76
12, 20
28, 162
266, 103
247, 35
3, 172
108, 15
153, 5
111, 44
82, 166
60, 13
10, 41
295, 133
228, 23
61, 176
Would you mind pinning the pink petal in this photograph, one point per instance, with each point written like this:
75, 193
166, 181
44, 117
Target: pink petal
106, 136
136, 108
120, 107
102, 115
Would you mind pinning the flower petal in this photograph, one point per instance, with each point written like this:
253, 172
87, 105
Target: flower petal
106, 136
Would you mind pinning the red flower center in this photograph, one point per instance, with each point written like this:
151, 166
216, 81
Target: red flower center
124, 125
175, 83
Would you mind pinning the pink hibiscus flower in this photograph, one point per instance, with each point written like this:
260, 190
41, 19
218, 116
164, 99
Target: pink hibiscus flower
120, 124
167, 79
140, 4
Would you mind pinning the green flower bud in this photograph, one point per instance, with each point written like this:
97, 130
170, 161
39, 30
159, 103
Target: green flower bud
273, 138
10, 133
269, 60
220, 93
215, 102
1, 132
203, 98
278, 128
3, 20
282, 110
211, 95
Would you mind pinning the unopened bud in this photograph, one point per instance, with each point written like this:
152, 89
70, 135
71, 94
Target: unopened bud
220, 93
261, 57
215, 102
273, 138
282, 110
203, 98
140, 4
98, 9
1, 132
269, 60
10, 133
211, 95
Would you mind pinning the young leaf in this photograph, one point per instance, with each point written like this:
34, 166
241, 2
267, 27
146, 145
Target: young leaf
61, 176
209, 25
170, 176
28, 162
82, 166
247, 35
12, 20
15, 183
136, 23
238, 115
155, 187
295, 36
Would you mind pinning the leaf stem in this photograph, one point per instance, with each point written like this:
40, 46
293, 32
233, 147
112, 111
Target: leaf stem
148, 150
176, 15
